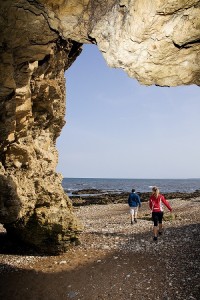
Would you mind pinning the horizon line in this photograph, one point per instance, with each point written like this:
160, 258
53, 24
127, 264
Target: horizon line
188, 178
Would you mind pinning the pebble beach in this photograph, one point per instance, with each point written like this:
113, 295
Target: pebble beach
115, 260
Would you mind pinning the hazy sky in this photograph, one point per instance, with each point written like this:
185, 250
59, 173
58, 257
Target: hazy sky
117, 128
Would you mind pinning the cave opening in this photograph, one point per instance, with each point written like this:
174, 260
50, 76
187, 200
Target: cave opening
117, 128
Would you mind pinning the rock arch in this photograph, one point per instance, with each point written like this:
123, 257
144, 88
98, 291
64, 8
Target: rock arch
156, 42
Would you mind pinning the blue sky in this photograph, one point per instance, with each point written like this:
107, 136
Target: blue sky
117, 128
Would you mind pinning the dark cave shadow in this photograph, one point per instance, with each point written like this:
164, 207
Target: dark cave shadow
13, 247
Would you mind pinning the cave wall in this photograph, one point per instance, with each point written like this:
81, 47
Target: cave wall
33, 205
156, 42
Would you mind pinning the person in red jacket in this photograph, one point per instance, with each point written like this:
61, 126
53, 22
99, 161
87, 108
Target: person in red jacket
156, 205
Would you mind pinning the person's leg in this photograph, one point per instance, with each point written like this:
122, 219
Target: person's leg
155, 227
132, 214
155, 232
135, 214
160, 222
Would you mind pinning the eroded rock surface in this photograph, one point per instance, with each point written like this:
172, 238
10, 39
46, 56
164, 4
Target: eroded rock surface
33, 206
156, 42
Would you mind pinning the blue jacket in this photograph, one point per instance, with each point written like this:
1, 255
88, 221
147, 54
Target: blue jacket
134, 200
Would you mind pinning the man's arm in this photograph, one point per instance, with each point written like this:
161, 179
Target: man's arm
129, 200
139, 201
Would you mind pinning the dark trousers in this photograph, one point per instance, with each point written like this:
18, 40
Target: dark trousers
157, 217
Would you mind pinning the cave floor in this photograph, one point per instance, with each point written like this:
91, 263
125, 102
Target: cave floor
115, 260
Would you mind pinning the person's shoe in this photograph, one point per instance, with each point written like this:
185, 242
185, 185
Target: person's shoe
155, 238
131, 222
160, 232
135, 220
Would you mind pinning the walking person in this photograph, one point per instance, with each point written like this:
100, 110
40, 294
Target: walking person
134, 202
155, 204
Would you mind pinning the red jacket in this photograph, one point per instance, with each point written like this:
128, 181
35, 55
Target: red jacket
155, 204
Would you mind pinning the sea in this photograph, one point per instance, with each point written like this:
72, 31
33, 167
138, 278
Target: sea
125, 185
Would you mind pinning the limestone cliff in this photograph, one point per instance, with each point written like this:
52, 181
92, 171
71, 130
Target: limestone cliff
33, 205
155, 41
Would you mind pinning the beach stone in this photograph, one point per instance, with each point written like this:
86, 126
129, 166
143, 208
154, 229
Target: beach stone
72, 294
156, 42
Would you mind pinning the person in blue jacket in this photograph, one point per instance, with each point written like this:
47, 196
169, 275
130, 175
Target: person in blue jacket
134, 202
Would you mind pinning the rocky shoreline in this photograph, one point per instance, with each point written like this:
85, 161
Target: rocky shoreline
94, 196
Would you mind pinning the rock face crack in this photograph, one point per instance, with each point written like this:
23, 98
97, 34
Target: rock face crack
156, 42
187, 45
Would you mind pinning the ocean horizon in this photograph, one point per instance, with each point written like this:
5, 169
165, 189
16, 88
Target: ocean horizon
187, 185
